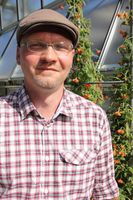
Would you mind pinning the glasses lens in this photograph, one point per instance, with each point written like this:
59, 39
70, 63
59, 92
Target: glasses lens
62, 46
36, 46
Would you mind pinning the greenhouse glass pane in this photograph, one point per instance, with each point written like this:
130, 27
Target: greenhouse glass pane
110, 57
4, 41
100, 14
26, 7
32, 5
46, 2
17, 74
8, 60
9, 13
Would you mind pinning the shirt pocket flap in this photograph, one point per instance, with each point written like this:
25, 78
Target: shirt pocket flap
77, 156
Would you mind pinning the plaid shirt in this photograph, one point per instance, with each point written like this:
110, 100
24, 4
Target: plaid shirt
67, 158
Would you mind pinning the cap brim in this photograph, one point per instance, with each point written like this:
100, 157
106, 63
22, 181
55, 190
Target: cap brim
49, 26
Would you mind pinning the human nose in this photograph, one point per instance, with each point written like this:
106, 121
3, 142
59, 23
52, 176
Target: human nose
49, 53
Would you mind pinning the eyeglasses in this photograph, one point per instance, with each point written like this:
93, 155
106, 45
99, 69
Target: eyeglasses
39, 46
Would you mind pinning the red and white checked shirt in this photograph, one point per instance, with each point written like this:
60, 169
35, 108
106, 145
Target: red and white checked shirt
68, 158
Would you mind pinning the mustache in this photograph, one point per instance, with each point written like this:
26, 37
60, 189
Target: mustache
41, 62
45, 63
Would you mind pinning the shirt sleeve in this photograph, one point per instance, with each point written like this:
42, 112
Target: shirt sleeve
105, 186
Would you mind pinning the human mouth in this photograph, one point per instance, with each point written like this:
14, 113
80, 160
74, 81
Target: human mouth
47, 66
46, 69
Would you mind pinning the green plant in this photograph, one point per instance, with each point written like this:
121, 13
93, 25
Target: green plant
121, 112
84, 74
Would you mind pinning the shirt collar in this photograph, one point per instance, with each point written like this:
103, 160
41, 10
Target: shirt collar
25, 104
65, 106
26, 107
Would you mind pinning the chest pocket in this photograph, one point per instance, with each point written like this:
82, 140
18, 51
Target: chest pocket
77, 156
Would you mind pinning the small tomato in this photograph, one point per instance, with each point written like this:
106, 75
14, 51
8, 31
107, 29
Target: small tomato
124, 96
120, 131
117, 113
87, 96
116, 162
75, 80
79, 51
120, 181
87, 85
98, 52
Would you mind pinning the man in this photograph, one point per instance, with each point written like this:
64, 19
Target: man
54, 144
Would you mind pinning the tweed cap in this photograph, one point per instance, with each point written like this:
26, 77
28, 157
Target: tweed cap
43, 19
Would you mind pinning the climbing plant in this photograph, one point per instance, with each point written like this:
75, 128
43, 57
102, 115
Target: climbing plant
121, 112
84, 75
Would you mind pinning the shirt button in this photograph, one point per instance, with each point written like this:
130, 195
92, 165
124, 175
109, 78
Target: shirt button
48, 125
34, 180
47, 158
46, 191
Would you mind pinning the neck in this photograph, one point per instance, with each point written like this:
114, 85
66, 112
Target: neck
46, 101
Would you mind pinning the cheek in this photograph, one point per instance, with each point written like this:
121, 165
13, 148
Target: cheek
28, 64
28, 60
66, 61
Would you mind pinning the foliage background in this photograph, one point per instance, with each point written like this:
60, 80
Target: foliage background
120, 110
84, 74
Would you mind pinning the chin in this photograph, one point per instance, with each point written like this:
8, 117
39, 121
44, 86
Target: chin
47, 83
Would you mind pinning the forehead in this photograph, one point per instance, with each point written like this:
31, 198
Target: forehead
46, 36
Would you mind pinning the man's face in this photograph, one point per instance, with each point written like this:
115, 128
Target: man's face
45, 69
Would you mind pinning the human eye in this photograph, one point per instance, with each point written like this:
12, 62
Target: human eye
61, 46
36, 46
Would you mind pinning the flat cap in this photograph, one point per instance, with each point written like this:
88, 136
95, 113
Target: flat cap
43, 19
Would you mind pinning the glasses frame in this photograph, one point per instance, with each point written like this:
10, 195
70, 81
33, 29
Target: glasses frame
46, 45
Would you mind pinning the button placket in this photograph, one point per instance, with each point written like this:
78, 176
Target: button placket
46, 147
